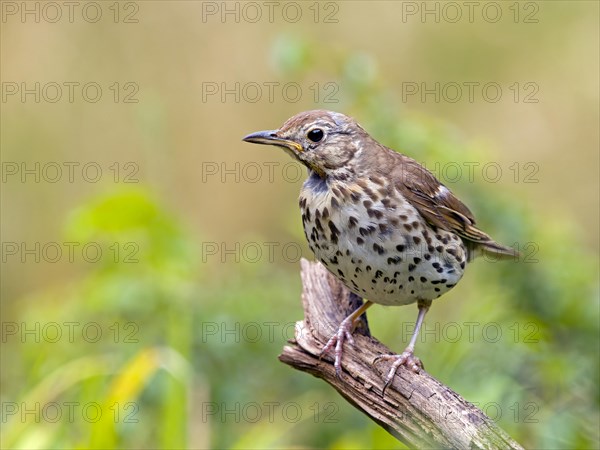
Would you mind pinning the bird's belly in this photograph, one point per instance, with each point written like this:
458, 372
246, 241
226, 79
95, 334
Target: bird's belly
385, 253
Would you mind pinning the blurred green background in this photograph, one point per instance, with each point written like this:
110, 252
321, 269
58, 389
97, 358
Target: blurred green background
168, 338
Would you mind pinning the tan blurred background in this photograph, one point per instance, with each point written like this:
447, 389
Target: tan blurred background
163, 124
170, 132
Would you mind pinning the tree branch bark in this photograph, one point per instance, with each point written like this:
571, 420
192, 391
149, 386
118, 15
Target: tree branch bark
417, 409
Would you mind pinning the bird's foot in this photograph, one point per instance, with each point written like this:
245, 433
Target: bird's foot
407, 359
336, 341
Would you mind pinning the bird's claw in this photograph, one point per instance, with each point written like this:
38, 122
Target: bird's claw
336, 341
407, 359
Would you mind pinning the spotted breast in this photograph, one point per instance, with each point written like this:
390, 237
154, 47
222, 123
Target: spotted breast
370, 237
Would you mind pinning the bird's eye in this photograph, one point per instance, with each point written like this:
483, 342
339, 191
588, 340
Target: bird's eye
315, 135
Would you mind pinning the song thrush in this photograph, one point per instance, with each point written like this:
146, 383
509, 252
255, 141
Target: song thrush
378, 220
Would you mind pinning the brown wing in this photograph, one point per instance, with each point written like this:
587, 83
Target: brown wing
440, 207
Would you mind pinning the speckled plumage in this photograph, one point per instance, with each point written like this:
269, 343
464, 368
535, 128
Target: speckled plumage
376, 242
377, 219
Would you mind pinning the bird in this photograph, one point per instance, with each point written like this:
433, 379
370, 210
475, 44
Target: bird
379, 221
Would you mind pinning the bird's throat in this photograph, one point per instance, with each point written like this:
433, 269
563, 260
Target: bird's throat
317, 171
315, 182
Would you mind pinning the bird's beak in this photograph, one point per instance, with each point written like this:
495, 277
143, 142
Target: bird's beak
270, 137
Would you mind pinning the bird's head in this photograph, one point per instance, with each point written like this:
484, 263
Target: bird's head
326, 142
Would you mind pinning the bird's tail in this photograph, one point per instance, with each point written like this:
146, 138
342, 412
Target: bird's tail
492, 250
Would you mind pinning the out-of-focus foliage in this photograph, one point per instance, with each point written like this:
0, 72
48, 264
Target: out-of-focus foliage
188, 354
121, 356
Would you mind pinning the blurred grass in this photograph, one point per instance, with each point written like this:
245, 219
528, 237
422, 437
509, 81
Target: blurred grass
121, 298
181, 369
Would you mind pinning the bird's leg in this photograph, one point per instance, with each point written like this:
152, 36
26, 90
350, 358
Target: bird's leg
407, 358
343, 333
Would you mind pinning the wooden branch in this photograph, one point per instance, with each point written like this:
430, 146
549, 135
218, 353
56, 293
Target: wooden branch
417, 409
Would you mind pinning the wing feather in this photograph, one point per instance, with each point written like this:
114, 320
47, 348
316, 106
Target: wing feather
440, 207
